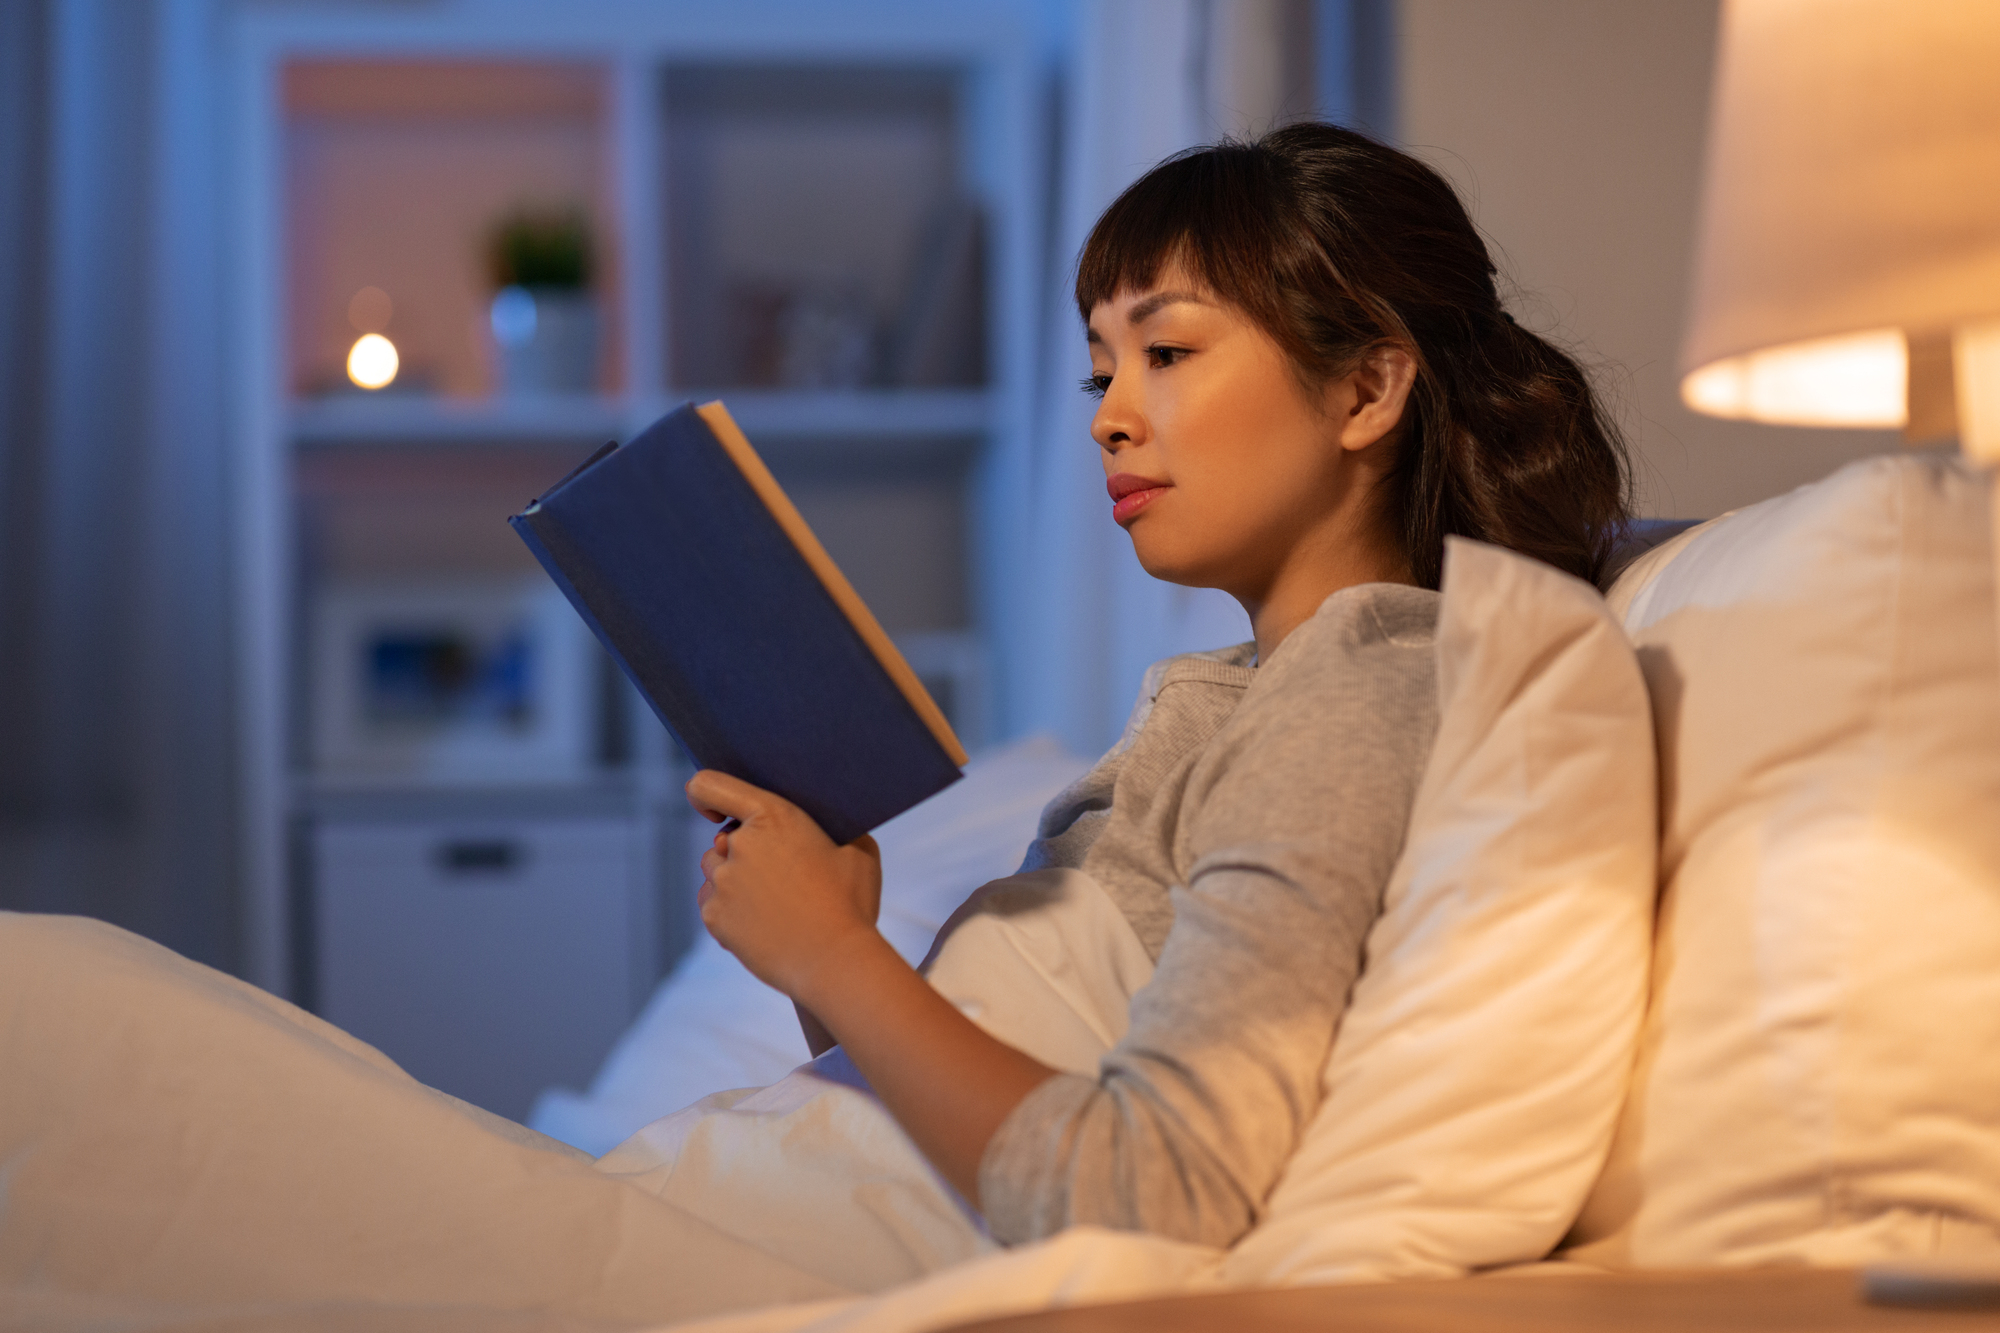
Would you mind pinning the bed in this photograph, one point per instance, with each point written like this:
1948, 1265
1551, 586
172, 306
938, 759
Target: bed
1624, 1012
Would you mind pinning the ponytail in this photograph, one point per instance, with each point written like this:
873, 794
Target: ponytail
1507, 444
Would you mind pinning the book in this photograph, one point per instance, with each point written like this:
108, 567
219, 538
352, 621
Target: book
694, 569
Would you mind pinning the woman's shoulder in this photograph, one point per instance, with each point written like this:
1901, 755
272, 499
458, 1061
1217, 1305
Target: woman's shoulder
1368, 619
1350, 697
1366, 660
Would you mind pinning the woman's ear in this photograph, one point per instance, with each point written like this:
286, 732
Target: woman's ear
1368, 401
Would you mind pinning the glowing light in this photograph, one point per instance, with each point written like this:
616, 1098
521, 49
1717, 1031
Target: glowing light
1859, 379
372, 361
513, 317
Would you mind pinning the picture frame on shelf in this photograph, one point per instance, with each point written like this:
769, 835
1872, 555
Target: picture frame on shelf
465, 682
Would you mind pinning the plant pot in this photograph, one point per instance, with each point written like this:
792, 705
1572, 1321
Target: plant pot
547, 339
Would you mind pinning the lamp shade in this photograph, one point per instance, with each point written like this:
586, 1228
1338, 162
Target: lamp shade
1848, 251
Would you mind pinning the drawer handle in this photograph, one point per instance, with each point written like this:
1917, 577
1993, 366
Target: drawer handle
471, 856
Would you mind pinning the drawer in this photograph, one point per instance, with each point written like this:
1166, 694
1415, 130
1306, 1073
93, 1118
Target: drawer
487, 958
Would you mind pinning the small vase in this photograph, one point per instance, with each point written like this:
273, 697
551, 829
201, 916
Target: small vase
547, 339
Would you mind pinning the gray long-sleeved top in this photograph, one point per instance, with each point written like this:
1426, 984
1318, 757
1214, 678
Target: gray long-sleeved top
1246, 825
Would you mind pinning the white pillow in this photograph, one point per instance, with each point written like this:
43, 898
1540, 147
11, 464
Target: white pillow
712, 1026
1820, 1069
1474, 1083
1472, 1088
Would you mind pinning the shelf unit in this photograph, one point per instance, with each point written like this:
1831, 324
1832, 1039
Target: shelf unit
926, 464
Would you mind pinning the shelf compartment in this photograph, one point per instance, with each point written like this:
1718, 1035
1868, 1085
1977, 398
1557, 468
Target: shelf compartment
396, 174
489, 957
820, 232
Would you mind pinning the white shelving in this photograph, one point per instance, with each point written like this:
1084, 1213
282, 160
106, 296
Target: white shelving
414, 420
959, 414
870, 465
853, 415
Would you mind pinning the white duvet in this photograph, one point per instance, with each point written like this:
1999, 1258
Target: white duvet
179, 1150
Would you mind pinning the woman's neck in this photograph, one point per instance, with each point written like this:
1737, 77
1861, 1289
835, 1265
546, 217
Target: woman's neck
1314, 573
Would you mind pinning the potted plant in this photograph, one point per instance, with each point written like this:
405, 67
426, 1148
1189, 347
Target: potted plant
544, 318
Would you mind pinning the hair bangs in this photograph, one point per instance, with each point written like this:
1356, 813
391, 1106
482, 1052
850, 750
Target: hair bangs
1191, 211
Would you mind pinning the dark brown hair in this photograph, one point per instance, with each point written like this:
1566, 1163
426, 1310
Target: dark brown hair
1335, 244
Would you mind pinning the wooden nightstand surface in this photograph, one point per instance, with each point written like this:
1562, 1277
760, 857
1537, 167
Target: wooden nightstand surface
1755, 1301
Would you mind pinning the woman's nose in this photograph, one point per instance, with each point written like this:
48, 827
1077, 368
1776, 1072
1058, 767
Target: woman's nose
1113, 426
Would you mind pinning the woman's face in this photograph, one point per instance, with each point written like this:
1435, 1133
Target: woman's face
1219, 464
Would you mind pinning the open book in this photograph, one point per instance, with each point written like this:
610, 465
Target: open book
696, 572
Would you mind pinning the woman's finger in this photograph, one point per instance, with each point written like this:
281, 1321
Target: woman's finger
708, 812
719, 796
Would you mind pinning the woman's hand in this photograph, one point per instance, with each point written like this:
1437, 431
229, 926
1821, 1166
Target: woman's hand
800, 913
777, 892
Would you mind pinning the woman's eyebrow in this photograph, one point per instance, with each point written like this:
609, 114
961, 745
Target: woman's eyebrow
1157, 302
1146, 309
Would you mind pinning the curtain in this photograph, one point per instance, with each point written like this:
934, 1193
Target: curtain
115, 736
1146, 78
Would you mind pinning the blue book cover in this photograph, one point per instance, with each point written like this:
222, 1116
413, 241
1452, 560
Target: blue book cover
696, 572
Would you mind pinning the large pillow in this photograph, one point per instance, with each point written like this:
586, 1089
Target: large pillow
1474, 1083
712, 1025
1471, 1091
1819, 1078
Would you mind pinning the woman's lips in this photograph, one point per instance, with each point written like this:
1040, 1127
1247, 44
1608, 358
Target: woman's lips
1130, 494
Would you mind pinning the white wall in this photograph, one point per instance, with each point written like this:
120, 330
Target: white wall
1574, 130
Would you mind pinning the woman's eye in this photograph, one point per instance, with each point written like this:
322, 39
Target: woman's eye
1159, 358
1095, 385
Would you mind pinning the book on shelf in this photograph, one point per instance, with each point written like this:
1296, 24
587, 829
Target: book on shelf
685, 557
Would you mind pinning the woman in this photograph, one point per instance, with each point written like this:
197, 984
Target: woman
1306, 382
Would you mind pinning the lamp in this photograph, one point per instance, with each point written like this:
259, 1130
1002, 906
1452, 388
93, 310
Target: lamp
1848, 263
1847, 268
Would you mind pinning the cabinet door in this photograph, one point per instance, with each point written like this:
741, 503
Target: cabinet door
487, 958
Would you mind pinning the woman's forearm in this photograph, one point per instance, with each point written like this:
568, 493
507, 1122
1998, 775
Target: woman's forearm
818, 1040
944, 1079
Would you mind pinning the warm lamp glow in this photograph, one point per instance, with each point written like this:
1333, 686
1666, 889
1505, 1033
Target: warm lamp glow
1848, 248
1860, 379
372, 361
1976, 358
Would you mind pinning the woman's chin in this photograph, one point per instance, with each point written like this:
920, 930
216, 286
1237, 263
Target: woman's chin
1174, 566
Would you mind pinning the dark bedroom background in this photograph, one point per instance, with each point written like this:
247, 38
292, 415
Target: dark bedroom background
122, 774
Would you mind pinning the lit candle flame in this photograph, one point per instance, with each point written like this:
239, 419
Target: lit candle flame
372, 361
